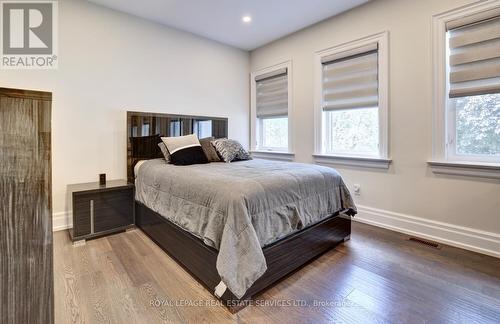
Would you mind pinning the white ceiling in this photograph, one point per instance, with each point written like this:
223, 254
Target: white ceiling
220, 20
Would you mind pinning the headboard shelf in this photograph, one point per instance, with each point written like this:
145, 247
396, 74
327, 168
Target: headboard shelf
145, 128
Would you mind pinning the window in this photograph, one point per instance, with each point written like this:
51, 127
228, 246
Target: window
274, 132
351, 131
175, 128
474, 127
350, 103
466, 85
270, 109
351, 108
473, 89
202, 128
145, 129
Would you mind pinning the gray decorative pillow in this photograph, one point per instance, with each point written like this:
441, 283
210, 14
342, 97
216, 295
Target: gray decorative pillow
230, 150
209, 149
165, 152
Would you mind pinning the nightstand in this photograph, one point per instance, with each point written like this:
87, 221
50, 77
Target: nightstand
100, 209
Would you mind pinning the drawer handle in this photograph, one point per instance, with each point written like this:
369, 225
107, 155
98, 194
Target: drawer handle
91, 216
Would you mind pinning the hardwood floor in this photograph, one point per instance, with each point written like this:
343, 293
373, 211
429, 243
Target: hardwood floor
376, 277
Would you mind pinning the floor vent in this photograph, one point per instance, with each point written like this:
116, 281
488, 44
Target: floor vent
424, 242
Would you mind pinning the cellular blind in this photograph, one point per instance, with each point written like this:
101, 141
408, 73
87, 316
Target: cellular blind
272, 94
350, 79
475, 55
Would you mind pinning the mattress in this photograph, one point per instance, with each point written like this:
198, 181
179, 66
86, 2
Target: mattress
240, 207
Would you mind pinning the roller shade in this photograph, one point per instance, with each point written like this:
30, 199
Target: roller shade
474, 56
350, 79
272, 94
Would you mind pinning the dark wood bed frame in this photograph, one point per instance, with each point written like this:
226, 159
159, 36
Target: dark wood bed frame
282, 257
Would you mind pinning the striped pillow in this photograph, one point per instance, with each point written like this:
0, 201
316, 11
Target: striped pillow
230, 150
164, 151
185, 150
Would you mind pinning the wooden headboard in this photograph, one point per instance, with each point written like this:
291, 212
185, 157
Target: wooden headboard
144, 130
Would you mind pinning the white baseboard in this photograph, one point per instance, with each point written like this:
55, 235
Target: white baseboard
458, 236
61, 221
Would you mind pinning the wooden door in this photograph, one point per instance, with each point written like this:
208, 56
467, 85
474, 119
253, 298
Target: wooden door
26, 266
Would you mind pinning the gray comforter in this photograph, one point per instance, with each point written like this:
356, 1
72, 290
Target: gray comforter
240, 207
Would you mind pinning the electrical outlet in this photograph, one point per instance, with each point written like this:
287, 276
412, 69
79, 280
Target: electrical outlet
357, 189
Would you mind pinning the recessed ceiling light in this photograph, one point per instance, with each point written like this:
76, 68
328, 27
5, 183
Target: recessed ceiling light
246, 19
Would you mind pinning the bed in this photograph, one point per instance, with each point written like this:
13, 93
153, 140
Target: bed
236, 227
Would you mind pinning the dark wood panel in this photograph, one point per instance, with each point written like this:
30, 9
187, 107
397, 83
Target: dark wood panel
198, 258
93, 187
26, 94
144, 130
282, 257
113, 209
81, 214
26, 268
111, 204
292, 252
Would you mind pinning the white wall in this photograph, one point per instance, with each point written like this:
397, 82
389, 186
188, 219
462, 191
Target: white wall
467, 207
111, 62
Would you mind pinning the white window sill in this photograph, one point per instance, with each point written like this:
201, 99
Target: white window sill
273, 155
471, 169
357, 161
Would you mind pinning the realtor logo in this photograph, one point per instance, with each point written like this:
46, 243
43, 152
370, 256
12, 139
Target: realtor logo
29, 34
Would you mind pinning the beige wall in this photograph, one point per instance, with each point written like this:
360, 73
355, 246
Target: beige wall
409, 187
109, 63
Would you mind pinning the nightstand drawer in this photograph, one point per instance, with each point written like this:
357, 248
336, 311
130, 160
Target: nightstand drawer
113, 209
100, 210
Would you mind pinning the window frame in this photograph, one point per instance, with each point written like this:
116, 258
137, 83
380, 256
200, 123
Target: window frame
382, 39
444, 115
255, 123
